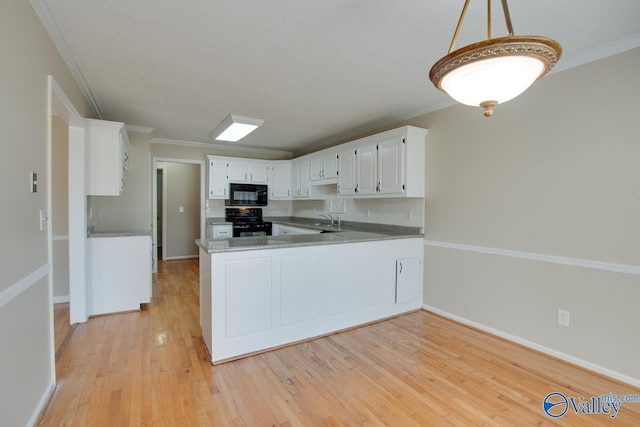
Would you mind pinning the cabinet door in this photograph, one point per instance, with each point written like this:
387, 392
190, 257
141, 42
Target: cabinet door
305, 183
299, 295
218, 183
258, 173
237, 171
342, 288
408, 284
106, 142
366, 169
247, 297
280, 184
330, 164
222, 231
347, 172
295, 179
391, 166
315, 168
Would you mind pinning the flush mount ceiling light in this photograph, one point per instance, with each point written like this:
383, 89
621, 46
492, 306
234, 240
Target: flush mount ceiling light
234, 128
493, 71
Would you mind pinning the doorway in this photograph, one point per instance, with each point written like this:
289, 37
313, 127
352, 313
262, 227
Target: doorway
182, 211
160, 209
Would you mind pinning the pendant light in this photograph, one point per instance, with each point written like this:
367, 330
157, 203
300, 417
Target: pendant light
493, 71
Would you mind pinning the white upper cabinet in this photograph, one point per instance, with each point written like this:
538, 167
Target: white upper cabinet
107, 154
366, 169
324, 165
347, 172
237, 171
218, 182
258, 172
280, 181
391, 164
254, 171
301, 186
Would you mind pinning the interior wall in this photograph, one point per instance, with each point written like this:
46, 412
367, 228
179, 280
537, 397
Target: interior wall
132, 209
182, 191
28, 56
60, 208
554, 172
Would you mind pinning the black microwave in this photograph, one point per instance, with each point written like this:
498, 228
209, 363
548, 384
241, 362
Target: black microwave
247, 195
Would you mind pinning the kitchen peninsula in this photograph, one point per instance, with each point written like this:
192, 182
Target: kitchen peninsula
258, 293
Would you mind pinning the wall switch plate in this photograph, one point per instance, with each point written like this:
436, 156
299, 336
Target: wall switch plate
44, 220
181, 209
563, 317
33, 182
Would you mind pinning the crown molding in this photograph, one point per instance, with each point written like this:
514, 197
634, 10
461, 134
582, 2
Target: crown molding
139, 129
399, 118
226, 147
599, 52
51, 26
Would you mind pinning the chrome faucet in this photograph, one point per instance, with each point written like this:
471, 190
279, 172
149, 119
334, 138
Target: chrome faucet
329, 217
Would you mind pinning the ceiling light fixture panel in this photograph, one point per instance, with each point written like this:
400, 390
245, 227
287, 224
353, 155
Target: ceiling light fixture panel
233, 128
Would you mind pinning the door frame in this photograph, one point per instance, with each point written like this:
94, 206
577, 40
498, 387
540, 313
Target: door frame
154, 203
60, 105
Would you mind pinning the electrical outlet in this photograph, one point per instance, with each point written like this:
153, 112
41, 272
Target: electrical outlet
563, 317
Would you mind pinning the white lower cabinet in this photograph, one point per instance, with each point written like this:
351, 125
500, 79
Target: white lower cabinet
299, 286
247, 297
256, 300
119, 273
408, 271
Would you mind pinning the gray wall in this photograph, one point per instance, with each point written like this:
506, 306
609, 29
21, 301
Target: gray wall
60, 207
28, 56
553, 172
182, 190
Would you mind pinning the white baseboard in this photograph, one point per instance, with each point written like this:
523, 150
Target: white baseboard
551, 352
44, 401
173, 258
61, 299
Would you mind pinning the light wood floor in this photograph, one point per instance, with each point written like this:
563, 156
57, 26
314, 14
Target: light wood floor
149, 368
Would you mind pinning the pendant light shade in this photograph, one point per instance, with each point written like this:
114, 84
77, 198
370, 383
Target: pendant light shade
493, 71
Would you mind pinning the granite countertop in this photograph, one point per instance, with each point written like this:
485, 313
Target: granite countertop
122, 233
350, 232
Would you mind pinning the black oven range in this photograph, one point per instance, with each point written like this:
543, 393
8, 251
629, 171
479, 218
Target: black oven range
247, 222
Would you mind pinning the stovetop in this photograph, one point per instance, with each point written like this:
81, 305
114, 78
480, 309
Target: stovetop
243, 215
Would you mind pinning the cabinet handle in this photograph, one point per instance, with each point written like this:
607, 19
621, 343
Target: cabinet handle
251, 177
288, 193
356, 190
400, 268
378, 187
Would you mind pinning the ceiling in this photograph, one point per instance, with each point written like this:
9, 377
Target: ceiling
315, 71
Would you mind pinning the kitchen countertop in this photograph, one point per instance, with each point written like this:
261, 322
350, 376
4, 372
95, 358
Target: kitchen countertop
350, 232
122, 233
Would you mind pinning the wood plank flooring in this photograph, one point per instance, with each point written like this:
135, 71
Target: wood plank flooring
149, 368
